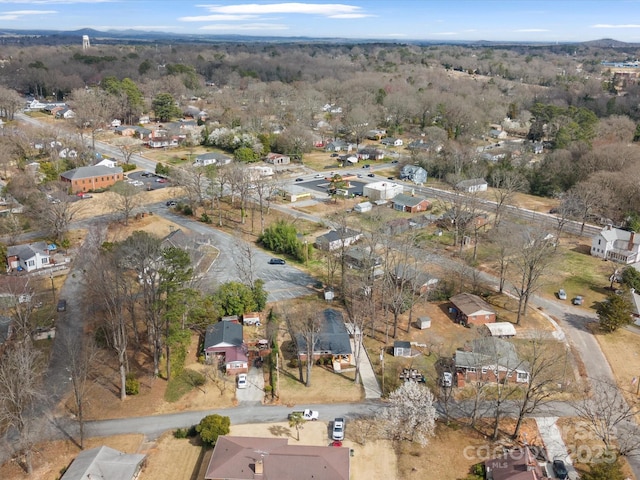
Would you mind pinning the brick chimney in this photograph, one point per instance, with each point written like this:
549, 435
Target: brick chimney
631, 239
259, 469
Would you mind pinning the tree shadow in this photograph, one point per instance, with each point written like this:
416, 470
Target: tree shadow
280, 431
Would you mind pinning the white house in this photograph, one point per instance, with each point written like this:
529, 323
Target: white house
363, 207
29, 257
382, 190
616, 245
473, 185
107, 162
260, 171
212, 158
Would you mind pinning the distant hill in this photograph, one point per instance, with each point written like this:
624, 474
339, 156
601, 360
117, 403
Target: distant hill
54, 37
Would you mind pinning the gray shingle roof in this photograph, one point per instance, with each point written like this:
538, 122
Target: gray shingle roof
223, 332
90, 172
333, 336
104, 463
27, 251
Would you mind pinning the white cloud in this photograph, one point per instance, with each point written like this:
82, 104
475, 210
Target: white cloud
30, 12
605, 25
445, 33
55, 2
217, 18
351, 15
528, 30
326, 9
245, 27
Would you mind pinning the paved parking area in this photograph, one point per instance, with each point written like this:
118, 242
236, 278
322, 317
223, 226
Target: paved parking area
254, 393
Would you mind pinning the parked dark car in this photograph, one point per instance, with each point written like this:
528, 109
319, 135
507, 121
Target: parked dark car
371, 175
171, 203
299, 179
277, 261
560, 469
62, 305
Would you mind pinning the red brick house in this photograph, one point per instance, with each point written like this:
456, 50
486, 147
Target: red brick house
407, 203
490, 360
88, 179
472, 310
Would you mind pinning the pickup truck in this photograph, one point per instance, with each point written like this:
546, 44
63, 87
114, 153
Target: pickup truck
306, 414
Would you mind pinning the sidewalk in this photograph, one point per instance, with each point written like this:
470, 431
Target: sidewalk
369, 381
554, 444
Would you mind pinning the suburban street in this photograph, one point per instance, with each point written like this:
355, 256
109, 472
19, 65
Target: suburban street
286, 282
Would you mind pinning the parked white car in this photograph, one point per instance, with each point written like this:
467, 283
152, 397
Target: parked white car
242, 380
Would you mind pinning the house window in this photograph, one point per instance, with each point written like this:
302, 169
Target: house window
486, 317
523, 376
471, 370
510, 374
45, 260
484, 370
31, 263
599, 241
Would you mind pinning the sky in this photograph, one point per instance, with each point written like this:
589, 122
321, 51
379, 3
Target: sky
396, 20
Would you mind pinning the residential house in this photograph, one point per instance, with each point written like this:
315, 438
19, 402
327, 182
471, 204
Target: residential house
277, 159
413, 173
107, 162
331, 341
382, 190
420, 282
65, 113
401, 348
392, 142
335, 239
516, 464
496, 133
116, 122
212, 158
370, 153
428, 146
361, 258
338, 146
259, 171
407, 203
376, 134
105, 463
162, 142
223, 341
472, 310
97, 177
125, 130
29, 257
249, 458
490, 359
616, 245
473, 185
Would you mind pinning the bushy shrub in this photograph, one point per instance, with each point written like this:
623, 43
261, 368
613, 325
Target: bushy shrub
180, 433
132, 384
196, 379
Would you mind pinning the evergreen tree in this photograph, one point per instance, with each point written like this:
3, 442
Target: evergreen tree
614, 313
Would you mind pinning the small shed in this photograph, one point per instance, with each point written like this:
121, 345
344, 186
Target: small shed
231, 318
501, 329
401, 348
363, 207
423, 322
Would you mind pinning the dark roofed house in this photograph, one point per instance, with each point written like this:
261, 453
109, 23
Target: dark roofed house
332, 341
471, 309
407, 203
248, 458
97, 177
518, 464
105, 463
224, 341
335, 239
413, 173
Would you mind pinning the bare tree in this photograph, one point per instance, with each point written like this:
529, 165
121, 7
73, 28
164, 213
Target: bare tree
108, 286
81, 357
244, 257
304, 327
194, 181
586, 197
128, 148
541, 357
127, 199
21, 369
357, 299
55, 218
533, 257
505, 185
610, 417
93, 108
505, 245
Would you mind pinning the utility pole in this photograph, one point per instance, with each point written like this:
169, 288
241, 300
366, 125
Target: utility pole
53, 287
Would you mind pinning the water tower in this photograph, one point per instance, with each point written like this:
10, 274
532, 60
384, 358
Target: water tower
85, 42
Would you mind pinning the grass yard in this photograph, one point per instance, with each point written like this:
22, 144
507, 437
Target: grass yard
174, 458
622, 349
